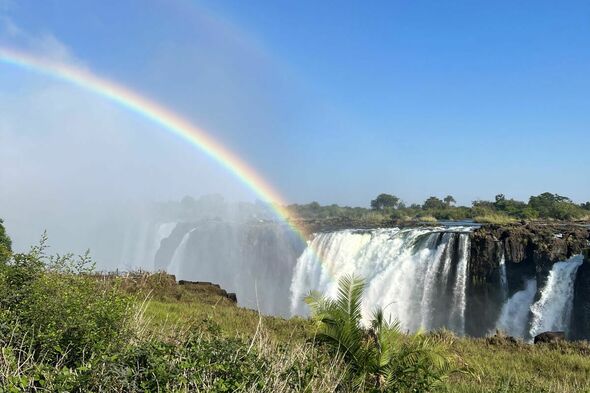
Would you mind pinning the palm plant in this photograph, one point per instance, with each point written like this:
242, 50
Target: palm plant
379, 356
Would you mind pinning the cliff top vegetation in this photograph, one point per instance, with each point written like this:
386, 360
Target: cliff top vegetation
388, 208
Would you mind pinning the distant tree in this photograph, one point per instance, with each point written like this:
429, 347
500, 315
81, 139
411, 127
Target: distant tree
415, 206
549, 205
385, 201
433, 203
511, 207
314, 205
585, 206
5, 243
449, 200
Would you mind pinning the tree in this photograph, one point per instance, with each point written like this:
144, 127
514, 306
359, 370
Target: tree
549, 205
385, 201
5, 243
500, 198
380, 357
449, 200
433, 203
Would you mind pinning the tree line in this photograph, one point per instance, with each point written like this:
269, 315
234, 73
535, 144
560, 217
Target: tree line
545, 206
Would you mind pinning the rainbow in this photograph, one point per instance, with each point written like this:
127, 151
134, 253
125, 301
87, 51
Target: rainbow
158, 115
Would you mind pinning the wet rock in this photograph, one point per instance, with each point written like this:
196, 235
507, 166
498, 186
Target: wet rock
549, 337
580, 323
214, 288
529, 251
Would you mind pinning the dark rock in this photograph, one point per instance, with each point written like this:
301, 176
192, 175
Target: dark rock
501, 339
215, 288
530, 250
580, 323
549, 337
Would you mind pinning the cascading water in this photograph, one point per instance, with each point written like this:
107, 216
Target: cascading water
523, 317
179, 255
515, 312
553, 310
140, 252
459, 294
503, 276
418, 276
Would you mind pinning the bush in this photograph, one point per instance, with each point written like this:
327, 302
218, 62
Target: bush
5, 244
59, 308
379, 356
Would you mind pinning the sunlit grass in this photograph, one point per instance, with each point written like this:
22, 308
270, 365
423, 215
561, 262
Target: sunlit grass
495, 218
498, 366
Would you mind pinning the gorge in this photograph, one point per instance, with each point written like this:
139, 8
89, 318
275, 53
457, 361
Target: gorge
522, 279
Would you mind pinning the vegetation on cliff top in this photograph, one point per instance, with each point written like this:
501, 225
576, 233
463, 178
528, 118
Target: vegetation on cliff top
387, 208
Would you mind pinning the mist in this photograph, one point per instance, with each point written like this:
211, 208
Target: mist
86, 170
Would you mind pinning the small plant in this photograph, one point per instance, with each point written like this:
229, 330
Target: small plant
379, 357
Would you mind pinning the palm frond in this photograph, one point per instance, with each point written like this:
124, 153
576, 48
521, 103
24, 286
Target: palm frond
350, 292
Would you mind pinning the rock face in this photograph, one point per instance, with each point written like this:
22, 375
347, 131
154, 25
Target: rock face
581, 309
529, 251
549, 337
214, 288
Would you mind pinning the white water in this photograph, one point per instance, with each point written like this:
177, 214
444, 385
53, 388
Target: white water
503, 276
459, 294
179, 255
143, 242
552, 311
405, 272
514, 316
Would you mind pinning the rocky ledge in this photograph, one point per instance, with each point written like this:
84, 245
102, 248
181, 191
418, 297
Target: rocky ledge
536, 246
528, 251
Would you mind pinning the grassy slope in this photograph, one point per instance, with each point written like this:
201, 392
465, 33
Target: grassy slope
497, 365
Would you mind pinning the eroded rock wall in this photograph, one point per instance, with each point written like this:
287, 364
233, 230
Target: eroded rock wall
529, 251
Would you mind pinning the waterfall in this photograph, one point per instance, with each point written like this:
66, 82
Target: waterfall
459, 294
179, 255
523, 317
515, 312
503, 276
553, 310
407, 272
253, 259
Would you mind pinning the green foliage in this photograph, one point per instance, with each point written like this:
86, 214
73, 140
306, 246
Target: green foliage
385, 202
555, 206
449, 200
5, 243
434, 203
62, 311
389, 209
379, 357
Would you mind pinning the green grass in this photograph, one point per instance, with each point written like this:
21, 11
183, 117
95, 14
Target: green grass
496, 365
506, 367
495, 218
232, 320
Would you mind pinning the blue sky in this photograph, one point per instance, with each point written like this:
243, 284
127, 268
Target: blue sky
330, 101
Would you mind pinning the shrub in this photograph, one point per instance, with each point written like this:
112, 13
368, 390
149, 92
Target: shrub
379, 357
59, 307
